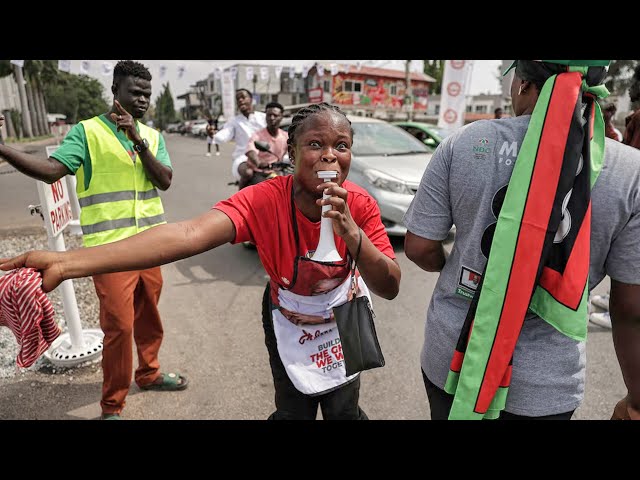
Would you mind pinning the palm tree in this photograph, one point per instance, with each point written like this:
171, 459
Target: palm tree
32, 110
22, 93
33, 70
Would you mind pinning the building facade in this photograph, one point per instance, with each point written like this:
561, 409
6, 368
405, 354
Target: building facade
369, 91
267, 83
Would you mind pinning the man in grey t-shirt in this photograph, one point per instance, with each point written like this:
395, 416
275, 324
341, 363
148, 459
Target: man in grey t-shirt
467, 172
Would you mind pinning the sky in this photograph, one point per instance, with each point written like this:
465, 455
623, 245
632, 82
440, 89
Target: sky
483, 76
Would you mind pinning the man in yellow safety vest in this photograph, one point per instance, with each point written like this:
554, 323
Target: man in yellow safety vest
119, 162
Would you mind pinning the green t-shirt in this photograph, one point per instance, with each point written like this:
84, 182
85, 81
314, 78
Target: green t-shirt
74, 151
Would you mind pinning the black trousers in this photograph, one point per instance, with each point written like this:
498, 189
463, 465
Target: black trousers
440, 404
339, 404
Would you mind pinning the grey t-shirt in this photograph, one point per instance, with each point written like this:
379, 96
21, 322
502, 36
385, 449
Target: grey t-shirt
458, 187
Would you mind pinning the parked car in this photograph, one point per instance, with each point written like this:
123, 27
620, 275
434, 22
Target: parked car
388, 162
431, 135
173, 127
198, 128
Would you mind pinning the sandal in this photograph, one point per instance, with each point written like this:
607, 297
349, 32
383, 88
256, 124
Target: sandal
170, 382
110, 416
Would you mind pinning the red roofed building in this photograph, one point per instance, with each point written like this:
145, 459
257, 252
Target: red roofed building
367, 88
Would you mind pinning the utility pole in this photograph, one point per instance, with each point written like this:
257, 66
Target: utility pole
408, 97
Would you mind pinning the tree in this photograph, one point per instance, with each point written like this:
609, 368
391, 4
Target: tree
634, 88
164, 110
33, 72
24, 105
619, 78
435, 68
76, 96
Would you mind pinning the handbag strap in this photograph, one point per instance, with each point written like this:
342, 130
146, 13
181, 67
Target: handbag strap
355, 261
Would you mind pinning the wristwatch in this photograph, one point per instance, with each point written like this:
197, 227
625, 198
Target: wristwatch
142, 146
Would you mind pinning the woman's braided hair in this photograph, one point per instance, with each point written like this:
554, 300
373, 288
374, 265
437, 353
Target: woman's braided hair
306, 112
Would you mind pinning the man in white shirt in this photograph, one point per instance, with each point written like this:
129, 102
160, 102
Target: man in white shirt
240, 128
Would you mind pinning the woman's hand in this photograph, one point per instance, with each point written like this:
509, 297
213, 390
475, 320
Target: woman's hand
343, 224
48, 263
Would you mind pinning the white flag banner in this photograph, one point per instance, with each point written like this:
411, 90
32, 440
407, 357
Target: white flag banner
163, 70
249, 74
278, 70
217, 73
320, 70
19, 63
64, 65
107, 68
264, 73
334, 69
234, 75
453, 100
305, 71
292, 72
228, 93
181, 70
85, 66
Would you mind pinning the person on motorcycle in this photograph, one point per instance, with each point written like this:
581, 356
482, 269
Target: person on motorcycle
256, 168
240, 128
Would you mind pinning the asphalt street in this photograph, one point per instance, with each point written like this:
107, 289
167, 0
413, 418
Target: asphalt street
211, 307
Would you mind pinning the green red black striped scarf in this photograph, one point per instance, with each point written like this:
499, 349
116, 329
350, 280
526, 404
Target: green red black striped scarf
539, 258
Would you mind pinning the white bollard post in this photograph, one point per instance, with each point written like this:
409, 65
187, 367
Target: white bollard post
69, 303
74, 225
75, 346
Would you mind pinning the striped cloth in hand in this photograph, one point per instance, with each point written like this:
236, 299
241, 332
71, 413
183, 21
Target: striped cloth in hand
28, 313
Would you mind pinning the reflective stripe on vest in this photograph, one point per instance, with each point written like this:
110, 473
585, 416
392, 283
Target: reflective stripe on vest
120, 201
117, 196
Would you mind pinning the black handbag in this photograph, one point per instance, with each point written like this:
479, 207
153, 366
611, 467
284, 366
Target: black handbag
360, 345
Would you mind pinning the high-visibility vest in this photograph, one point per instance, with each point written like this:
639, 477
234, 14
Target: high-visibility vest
120, 200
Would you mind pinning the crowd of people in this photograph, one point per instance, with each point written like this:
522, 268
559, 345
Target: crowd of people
505, 327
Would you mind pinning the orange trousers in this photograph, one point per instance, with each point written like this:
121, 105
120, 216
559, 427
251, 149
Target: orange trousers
128, 311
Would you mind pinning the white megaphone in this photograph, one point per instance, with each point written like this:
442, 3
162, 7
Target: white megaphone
326, 249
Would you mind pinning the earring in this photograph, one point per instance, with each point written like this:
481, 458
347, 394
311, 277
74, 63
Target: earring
520, 91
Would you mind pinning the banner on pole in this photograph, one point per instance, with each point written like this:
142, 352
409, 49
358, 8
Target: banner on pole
228, 94
85, 66
453, 98
107, 68
64, 65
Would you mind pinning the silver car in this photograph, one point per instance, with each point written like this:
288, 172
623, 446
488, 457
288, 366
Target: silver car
388, 162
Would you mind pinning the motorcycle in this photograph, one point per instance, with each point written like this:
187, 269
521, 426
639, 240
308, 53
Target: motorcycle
279, 167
